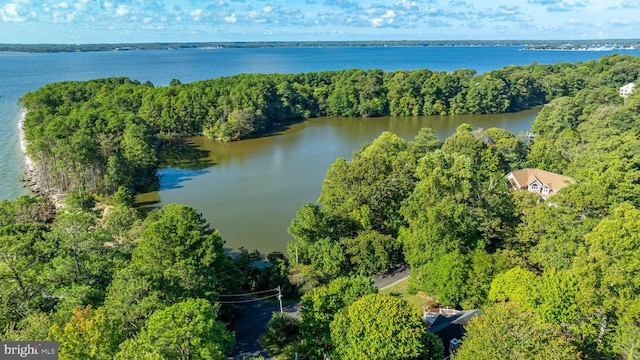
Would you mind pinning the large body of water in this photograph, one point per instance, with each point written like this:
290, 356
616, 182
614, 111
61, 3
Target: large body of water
253, 188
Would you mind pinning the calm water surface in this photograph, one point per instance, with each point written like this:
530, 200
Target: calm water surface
250, 190
253, 188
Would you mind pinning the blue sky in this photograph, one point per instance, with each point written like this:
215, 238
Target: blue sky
110, 21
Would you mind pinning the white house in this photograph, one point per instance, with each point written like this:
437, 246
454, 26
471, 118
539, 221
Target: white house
627, 89
542, 182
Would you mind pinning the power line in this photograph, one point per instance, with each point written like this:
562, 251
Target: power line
246, 301
249, 294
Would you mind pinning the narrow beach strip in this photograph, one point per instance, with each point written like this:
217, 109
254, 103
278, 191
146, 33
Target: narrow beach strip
30, 167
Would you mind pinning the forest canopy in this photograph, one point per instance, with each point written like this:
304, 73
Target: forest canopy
562, 272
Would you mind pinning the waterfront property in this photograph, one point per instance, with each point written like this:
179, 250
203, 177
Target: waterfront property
541, 182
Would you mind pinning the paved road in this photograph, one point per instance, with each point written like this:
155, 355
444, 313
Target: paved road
391, 276
250, 319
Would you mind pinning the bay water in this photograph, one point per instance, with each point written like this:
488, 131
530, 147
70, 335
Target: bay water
250, 190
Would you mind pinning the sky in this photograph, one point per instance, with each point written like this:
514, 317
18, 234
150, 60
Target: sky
135, 21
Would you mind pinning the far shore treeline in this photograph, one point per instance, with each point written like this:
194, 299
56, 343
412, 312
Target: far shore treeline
527, 44
100, 134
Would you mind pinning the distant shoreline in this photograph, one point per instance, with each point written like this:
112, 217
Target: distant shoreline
613, 44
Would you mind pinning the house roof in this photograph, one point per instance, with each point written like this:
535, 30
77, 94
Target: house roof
554, 181
461, 318
452, 326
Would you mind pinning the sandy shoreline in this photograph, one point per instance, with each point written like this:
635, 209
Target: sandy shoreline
29, 177
30, 167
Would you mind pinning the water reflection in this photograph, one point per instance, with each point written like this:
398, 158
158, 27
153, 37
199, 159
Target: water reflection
250, 190
183, 153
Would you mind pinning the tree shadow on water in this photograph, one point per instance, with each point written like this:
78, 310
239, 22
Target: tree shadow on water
183, 153
172, 178
181, 160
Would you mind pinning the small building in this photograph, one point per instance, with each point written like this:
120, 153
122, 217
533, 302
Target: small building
449, 326
627, 89
542, 182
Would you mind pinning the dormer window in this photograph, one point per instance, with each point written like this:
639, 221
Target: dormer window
534, 187
545, 190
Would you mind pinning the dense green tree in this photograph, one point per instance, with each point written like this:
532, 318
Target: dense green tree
504, 331
24, 256
319, 307
553, 235
464, 143
488, 95
627, 333
443, 217
282, 330
424, 142
483, 268
132, 297
371, 187
185, 330
83, 265
382, 327
27, 210
512, 150
34, 326
89, 334
178, 256
517, 286
183, 254
607, 271
371, 252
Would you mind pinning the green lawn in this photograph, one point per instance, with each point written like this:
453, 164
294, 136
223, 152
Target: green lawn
418, 300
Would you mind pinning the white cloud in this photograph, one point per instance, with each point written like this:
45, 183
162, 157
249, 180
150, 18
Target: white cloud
81, 5
630, 4
62, 5
12, 12
407, 4
231, 19
62, 18
574, 21
122, 10
385, 19
618, 21
196, 14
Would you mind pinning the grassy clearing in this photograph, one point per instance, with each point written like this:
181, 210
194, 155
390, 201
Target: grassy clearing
418, 300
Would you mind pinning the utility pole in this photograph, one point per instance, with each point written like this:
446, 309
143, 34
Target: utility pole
280, 300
